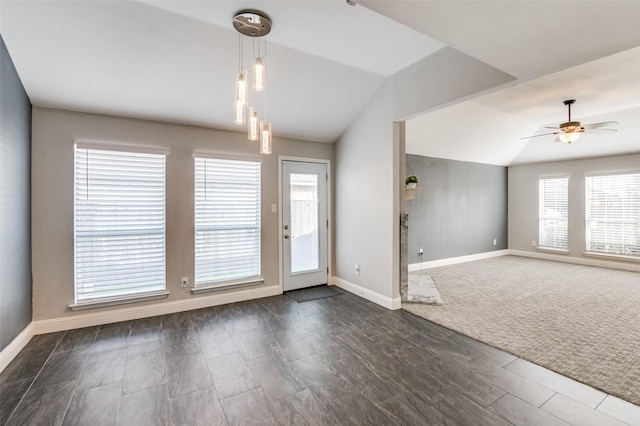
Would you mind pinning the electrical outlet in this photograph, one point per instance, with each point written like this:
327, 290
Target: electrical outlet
420, 252
533, 243
495, 241
357, 269
184, 282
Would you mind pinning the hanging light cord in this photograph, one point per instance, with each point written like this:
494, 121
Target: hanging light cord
240, 52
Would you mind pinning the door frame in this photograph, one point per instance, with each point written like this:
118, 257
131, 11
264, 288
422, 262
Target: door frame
281, 160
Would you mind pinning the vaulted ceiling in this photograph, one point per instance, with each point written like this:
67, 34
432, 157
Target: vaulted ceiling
175, 61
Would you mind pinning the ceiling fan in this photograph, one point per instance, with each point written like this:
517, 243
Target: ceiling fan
570, 131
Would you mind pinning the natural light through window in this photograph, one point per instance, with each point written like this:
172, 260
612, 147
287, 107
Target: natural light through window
119, 211
227, 220
553, 213
613, 214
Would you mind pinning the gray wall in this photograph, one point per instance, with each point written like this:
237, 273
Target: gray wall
54, 133
369, 157
523, 197
460, 210
15, 202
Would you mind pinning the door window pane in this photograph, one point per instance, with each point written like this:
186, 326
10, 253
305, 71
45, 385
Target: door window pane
304, 222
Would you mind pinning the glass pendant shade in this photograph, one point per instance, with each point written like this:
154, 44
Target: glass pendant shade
239, 113
265, 137
253, 124
241, 87
255, 25
258, 75
569, 137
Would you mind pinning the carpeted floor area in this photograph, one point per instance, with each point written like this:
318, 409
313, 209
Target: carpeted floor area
580, 321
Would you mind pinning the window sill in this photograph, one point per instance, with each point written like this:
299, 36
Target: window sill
622, 257
205, 288
552, 250
110, 301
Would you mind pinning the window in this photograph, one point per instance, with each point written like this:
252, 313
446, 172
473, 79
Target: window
119, 210
553, 213
613, 214
227, 220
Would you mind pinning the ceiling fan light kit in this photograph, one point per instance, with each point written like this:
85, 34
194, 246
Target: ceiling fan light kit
570, 131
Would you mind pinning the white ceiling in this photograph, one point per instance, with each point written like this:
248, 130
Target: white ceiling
489, 129
175, 61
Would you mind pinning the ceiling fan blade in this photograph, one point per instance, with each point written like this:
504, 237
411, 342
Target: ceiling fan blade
600, 131
554, 128
544, 134
598, 125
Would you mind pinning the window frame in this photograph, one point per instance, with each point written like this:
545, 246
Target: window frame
95, 148
564, 216
203, 285
590, 250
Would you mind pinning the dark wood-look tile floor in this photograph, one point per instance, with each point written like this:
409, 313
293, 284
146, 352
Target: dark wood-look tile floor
337, 360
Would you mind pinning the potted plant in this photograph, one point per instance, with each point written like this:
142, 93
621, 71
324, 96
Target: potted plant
411, 181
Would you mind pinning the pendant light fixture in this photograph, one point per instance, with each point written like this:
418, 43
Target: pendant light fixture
265, 137
255, 24
241, 88
253, 124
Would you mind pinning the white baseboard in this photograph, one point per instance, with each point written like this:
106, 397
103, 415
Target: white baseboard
132, 313
365, 293
9, 353
454, 260
600, 263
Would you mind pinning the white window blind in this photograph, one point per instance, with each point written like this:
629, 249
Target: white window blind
119, 213
613, 214
227, 220
553, 213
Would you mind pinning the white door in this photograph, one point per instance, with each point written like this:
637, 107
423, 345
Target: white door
304, 224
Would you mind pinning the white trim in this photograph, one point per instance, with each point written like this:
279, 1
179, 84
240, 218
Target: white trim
131, 313
614, 172
577, 260
455, 260
204, 288
231, 157
365, 293
123, 147
611, 256
121, 300
548, 255
12, 349
281, 159
552, 250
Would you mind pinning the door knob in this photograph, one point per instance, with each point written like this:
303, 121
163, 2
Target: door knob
286, 236
286, 227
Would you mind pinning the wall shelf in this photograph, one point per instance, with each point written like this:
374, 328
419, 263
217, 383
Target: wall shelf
410, 193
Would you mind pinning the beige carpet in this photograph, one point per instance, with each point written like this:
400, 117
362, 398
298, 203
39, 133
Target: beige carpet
580, 321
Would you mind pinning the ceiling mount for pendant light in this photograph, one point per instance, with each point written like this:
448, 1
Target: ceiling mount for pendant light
253, 23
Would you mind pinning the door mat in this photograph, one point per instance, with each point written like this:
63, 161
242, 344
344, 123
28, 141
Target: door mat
312, 293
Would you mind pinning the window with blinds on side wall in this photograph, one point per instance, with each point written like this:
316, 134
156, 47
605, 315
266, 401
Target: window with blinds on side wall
119, 223
613, 214
227, 220
553, 213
